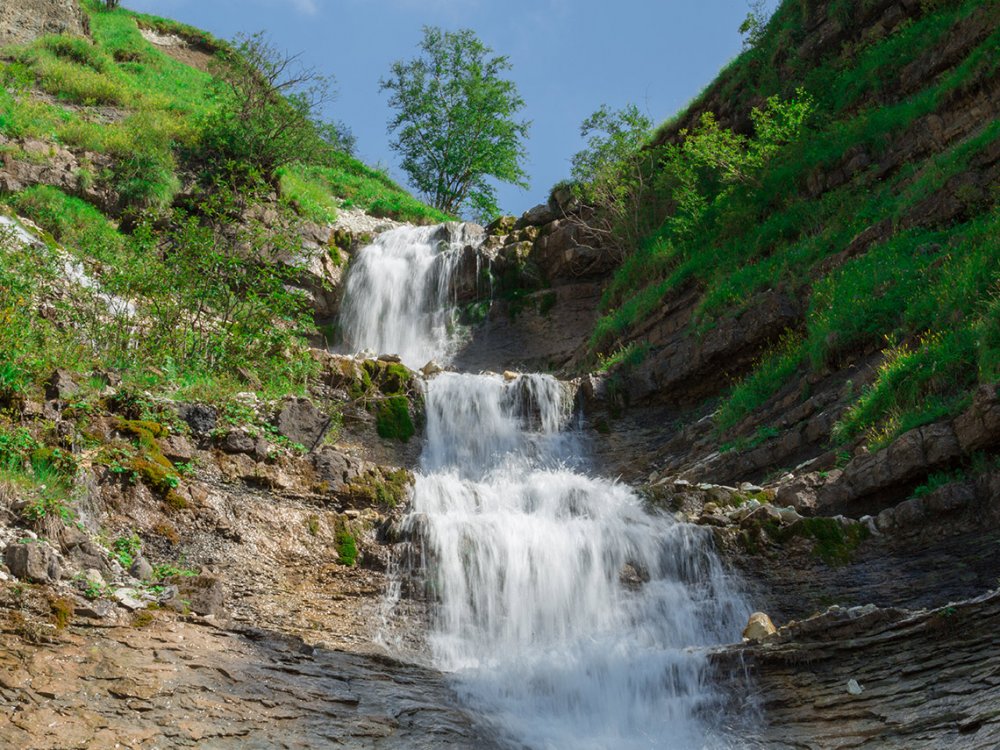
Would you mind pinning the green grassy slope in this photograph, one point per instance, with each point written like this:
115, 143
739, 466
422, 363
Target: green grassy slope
883, 218
121, 96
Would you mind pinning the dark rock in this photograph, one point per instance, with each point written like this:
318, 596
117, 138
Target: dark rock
301, 422
912, 456
61, 385
201, 418
334, 468
537, 216
32, 561
978, 426
203, 594
951, 497
238, 441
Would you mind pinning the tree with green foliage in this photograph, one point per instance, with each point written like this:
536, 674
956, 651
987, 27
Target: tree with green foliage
456, 122
269, 113
611, 170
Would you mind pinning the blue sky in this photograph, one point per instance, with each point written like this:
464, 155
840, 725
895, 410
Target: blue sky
568, 57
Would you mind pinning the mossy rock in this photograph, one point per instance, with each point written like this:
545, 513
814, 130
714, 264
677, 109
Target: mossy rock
347, 547
388, 488
393, 420
390, 378
833, 542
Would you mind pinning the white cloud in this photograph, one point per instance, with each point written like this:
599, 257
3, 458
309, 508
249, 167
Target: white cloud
308, 7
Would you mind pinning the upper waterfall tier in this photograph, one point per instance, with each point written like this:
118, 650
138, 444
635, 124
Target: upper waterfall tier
398, 290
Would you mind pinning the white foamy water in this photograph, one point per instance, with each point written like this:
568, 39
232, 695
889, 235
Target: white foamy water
396, 298
569, 616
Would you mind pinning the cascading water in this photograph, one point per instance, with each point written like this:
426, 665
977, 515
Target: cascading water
396, 299
569, 615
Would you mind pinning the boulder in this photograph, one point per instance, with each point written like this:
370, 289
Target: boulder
32, 561
541, 214
141, 569
758, 626
201, 418
61, 385
238, 441
334, 468
300, 421
177, 448
913, 455
203, 594
978, 426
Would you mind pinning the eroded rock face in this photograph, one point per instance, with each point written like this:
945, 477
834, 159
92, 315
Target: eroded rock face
92, 687
887, 678
21, 21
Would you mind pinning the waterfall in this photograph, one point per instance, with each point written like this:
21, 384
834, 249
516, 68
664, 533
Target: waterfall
569, 615
396, 297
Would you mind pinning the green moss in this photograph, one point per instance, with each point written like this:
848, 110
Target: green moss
62, 610
834, 543
391, 378
392, 418
383, 487
347, 547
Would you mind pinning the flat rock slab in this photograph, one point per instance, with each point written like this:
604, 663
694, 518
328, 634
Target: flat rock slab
180, 684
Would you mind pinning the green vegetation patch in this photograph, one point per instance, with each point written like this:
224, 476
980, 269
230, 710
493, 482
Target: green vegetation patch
393, 420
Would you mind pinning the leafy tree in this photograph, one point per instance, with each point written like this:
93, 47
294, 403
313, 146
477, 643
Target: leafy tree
456, 121
753, 26
270, 109
212, 286
611, 171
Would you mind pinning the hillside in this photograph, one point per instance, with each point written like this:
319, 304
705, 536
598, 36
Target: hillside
816, 290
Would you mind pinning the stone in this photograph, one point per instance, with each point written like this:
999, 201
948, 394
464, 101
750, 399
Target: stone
430, 369
177, 448
99, 609
203, 593
302, 422
759, 626
537, 216
978, 426
950, 497
61, 385
129, 598
238, 441
201, 418
92, 576
510, 375
141, 569
32, 561
909, 512
854, 687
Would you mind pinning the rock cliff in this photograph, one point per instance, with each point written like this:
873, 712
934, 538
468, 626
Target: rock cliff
21, 21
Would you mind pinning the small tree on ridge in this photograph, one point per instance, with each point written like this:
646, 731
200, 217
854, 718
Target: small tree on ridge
455, 124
